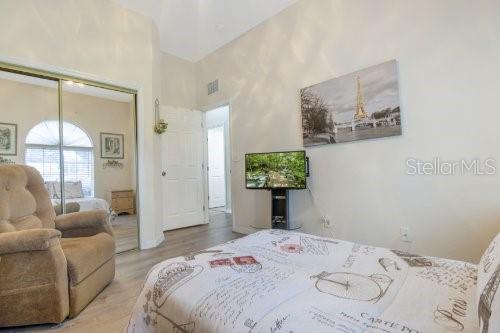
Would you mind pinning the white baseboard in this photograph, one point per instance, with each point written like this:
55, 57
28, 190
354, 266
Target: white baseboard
244, 230
152, 243
160, 239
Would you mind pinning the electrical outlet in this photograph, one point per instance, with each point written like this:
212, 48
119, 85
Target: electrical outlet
326, 221
404, 234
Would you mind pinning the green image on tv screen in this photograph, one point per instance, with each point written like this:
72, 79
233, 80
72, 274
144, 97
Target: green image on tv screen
276, 170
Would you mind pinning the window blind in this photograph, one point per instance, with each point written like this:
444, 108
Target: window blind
78, 165
46, 161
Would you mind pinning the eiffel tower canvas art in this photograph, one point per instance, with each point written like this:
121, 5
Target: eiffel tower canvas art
357, 106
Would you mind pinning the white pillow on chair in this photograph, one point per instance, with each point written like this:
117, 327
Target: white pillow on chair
488, 288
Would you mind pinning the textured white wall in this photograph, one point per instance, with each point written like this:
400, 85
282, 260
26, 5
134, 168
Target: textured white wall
103, 40
178, 82
448, 53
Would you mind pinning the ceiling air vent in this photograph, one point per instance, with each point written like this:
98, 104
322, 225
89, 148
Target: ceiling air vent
213, 87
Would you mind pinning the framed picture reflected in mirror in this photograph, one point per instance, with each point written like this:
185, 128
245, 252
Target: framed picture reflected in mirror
8, 139
112, 146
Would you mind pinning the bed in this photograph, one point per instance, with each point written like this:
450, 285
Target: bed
86, 204
74, 193
284, 281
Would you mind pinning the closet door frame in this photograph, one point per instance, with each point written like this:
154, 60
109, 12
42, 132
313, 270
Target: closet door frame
60, 78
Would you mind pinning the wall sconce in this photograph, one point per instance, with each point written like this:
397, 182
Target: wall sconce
160, 124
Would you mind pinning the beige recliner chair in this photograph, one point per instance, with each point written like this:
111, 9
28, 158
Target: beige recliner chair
45, 278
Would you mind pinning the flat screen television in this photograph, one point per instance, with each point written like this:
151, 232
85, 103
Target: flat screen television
280, 170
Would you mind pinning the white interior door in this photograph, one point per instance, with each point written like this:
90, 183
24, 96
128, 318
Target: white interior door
182, 155
216, 168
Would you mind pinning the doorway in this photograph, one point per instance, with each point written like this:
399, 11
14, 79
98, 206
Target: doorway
218, 160
216, 168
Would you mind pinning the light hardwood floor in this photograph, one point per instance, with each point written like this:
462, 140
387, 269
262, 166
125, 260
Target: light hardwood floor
125, 229
110, 311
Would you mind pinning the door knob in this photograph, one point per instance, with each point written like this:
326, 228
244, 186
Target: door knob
163, 173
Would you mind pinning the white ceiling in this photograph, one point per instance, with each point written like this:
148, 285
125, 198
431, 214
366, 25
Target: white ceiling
192, 29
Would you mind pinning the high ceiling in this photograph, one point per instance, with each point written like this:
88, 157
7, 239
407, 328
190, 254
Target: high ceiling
192, 29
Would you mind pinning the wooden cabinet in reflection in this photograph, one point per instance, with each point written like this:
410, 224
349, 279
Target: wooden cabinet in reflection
122, 201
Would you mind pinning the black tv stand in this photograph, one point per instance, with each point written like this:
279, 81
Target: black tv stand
279, 210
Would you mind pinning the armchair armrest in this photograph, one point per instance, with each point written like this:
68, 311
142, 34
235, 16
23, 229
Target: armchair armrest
83, 224
28, 240
33, 278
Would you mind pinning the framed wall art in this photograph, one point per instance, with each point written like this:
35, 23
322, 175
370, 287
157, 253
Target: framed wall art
8, 139
357, 106
112, 146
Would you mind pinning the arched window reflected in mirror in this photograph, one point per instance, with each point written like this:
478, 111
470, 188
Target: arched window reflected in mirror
42, 152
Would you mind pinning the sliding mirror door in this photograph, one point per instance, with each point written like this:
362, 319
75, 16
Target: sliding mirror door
82, 140
99, 156
29, 127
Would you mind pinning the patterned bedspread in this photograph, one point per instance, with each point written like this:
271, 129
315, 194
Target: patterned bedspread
280, 281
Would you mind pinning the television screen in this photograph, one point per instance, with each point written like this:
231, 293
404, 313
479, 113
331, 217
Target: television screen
282, 170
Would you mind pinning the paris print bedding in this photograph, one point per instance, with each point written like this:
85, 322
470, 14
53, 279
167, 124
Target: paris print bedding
281, 281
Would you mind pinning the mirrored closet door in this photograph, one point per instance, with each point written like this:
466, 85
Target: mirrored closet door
99, 156
29, 127
81, 137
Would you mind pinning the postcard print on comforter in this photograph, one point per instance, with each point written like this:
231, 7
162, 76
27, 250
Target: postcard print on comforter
280, 281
